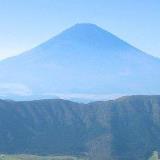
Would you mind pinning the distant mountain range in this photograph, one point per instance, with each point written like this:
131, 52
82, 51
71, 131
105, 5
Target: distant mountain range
84, 61
124, 129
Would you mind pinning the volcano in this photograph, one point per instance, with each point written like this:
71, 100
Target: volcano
83, 61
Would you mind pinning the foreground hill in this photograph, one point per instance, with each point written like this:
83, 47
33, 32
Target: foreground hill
124, 129
81, 61
34, 157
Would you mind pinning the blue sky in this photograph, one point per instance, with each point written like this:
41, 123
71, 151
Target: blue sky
26, 23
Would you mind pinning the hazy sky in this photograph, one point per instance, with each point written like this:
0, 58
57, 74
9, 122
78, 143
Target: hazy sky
26, 23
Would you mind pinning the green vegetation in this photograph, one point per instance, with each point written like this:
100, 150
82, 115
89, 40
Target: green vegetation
35, 157
154, 156
122, 129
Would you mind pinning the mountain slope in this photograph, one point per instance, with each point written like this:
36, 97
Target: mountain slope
84, 59
124, 129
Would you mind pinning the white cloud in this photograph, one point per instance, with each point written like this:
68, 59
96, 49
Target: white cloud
14, 88
84, 96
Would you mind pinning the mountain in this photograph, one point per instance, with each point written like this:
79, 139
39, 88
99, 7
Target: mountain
127, 128
83, 61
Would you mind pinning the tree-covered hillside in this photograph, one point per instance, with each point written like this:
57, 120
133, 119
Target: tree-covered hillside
124, 129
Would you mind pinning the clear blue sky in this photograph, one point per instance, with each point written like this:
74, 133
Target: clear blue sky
26, 23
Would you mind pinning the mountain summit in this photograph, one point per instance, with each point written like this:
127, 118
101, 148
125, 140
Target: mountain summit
81, 61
